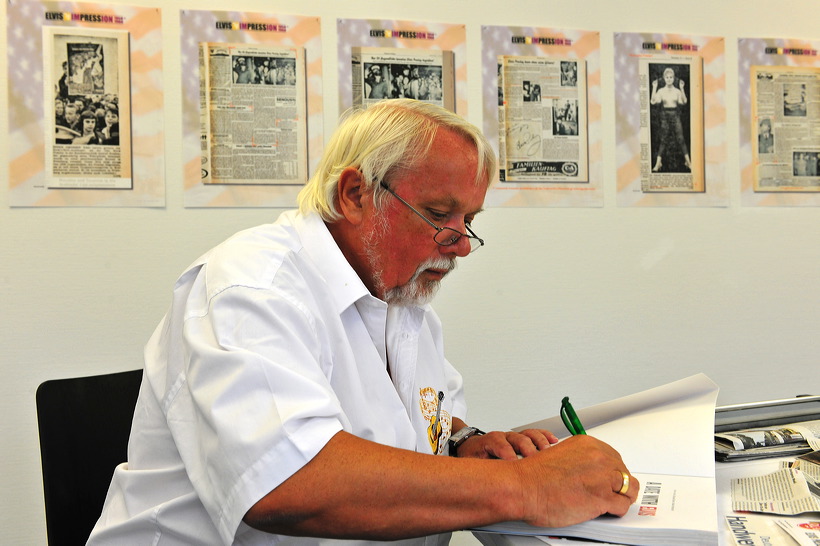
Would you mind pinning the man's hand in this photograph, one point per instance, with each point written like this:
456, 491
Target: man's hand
507, 445
574, 481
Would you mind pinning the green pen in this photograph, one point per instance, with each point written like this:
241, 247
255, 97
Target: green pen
570, 418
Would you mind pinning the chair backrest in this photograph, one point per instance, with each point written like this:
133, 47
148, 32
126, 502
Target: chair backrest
84, 425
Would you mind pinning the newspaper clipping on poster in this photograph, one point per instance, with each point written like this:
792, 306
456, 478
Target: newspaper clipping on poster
542, 116
671, 133
786, 122
87, 106
253, 108
393, 73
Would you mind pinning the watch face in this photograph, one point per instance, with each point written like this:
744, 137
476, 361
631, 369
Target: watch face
462, 434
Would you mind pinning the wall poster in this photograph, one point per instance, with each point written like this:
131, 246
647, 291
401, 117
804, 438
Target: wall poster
251, 107
779, 94
85, 105
90, 117
541, 93
670, 120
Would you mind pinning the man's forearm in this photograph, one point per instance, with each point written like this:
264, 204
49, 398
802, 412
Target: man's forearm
359, 489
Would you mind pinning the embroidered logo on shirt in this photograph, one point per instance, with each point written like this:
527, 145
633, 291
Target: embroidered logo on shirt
440, 423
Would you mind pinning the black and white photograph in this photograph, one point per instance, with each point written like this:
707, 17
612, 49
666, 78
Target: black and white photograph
794, 100
670, 125
252, 69
531, 92
401, 80
569, 73
565, 117
85, 68
765, 136
85, 110
804, 163
394, 73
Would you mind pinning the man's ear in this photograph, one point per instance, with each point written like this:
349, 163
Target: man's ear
351, 189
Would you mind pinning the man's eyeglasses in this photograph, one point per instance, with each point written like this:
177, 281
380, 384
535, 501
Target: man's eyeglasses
444, 236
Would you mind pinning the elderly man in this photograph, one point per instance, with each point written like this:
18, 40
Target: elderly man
297, 390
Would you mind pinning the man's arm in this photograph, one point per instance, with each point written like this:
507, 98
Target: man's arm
355, 488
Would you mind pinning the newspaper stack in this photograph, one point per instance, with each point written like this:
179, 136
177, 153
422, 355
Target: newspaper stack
757, 443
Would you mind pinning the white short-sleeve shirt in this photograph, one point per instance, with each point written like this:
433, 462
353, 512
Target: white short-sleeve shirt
271, 346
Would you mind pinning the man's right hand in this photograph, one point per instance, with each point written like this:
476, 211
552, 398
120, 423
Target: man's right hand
573, 481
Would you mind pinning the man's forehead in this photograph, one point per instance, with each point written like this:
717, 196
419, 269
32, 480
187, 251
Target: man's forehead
441, 193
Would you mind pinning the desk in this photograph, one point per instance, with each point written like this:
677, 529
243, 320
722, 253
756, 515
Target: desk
724, 474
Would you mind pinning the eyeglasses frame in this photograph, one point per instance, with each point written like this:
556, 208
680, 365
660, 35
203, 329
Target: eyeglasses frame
470, 235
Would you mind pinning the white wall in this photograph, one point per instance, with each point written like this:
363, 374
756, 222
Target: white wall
592, 303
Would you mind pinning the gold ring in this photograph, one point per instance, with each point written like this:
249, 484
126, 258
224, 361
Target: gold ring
625, 486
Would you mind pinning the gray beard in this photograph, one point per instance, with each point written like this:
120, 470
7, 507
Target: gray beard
414, 292
417, 292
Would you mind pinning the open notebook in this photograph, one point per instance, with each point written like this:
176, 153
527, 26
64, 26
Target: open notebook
666, 438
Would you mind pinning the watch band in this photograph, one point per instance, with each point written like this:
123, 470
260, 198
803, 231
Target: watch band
458, 438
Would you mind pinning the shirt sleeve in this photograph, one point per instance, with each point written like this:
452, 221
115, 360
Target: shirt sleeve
255, 405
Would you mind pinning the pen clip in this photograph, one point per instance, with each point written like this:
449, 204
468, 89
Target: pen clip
570, 418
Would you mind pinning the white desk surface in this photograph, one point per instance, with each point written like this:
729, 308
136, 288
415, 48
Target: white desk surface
724, 473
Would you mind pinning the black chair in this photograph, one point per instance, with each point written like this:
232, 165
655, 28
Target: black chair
84, 425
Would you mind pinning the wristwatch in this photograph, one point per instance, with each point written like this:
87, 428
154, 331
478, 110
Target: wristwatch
458, 438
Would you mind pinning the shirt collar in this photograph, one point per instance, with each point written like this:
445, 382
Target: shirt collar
344, 282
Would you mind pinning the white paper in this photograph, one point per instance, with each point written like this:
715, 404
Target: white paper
657, 431
665, 436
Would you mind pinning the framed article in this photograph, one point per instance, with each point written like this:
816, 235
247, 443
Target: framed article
88, 128
380, 73
542, 119
670, 120
777, 155
231, 155
671, 124
541, 95
253, 111
433, 54
786, 122
85, 94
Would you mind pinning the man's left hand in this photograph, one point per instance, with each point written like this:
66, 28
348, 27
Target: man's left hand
507, 445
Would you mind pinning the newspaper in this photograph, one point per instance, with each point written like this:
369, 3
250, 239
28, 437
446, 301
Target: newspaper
87, 108
391, 73
778, 441
671, 133
253, 108
542, 114
785, 123
757, 530
786, 491
809, 464
805, 532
